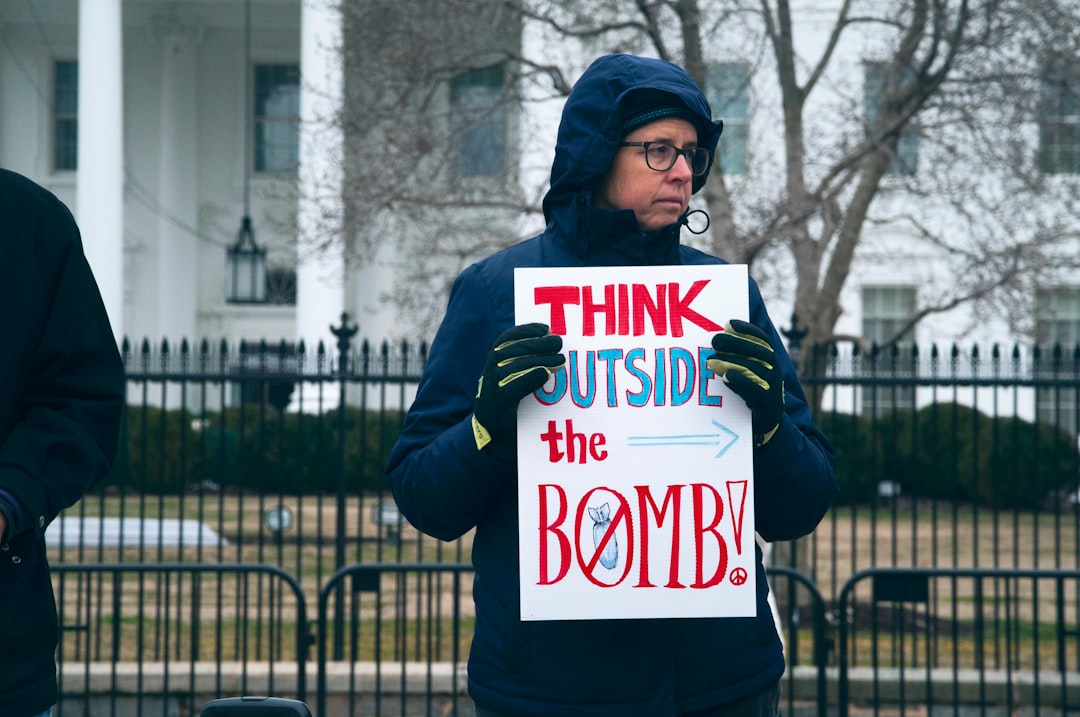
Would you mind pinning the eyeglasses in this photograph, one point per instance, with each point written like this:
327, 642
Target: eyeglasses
661, 156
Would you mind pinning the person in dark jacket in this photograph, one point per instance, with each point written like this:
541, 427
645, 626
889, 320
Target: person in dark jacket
636, 139
61, 398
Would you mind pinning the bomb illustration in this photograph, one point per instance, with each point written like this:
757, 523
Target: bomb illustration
601, 518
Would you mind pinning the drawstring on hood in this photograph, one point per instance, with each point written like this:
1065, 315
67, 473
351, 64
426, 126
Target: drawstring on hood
686, 221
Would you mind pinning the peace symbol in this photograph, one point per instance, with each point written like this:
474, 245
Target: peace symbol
738, 576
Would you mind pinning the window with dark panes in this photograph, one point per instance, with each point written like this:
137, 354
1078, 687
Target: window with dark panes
1057, 326
728, 91
1059, 118
905, 161
281, 285
277, 117
886, 310
478, 122
65, 115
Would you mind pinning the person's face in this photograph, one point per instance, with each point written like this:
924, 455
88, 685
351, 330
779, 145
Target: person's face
657, 198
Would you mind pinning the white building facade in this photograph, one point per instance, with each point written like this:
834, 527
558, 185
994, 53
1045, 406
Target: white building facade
162, 124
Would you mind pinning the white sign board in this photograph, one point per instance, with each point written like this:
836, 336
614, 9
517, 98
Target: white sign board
635, 462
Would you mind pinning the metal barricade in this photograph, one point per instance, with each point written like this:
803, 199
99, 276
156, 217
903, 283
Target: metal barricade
163, 637
404, 639
985, 639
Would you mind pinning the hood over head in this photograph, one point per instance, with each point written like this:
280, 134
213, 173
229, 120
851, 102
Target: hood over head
616, 94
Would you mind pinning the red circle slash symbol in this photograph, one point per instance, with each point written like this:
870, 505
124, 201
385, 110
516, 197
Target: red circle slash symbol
738, 576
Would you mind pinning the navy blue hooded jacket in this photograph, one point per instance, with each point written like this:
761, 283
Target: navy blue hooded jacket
446, 487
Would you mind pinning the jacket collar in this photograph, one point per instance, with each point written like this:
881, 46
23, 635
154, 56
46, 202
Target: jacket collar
599, 236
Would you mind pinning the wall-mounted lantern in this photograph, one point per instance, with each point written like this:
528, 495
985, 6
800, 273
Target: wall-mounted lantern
246, 268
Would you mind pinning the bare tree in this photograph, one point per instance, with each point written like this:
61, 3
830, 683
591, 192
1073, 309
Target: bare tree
966, 81
429, 93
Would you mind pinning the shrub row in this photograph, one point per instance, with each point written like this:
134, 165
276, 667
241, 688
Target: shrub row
254, 449
944, 451
949, 451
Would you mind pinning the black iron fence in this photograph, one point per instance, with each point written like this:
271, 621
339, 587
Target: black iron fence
948, 459
159, 637
271, 454
898, 640
999, 638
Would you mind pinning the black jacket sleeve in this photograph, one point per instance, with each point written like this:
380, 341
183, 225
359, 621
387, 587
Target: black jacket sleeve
62, 377
443, 484
794, 478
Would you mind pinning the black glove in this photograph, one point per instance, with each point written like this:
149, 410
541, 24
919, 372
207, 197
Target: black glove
746, 361
519, 363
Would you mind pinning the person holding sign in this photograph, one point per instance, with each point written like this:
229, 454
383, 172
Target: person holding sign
636, 140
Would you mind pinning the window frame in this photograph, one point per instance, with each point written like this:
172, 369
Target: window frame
881, 400
64, 123
905, 159
1057, 312
1059, 117
731, 102
260, 120
1057, 323
479, 117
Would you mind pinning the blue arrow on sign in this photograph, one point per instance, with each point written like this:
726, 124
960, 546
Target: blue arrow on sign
726, 438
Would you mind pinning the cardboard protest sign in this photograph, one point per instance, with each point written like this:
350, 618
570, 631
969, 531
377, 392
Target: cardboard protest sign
635, 462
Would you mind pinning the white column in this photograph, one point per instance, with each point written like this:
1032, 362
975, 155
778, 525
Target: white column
99, 197
177, 249
320, 296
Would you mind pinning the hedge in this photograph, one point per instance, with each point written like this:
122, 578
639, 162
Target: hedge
254, 449
945, 451
949, 451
